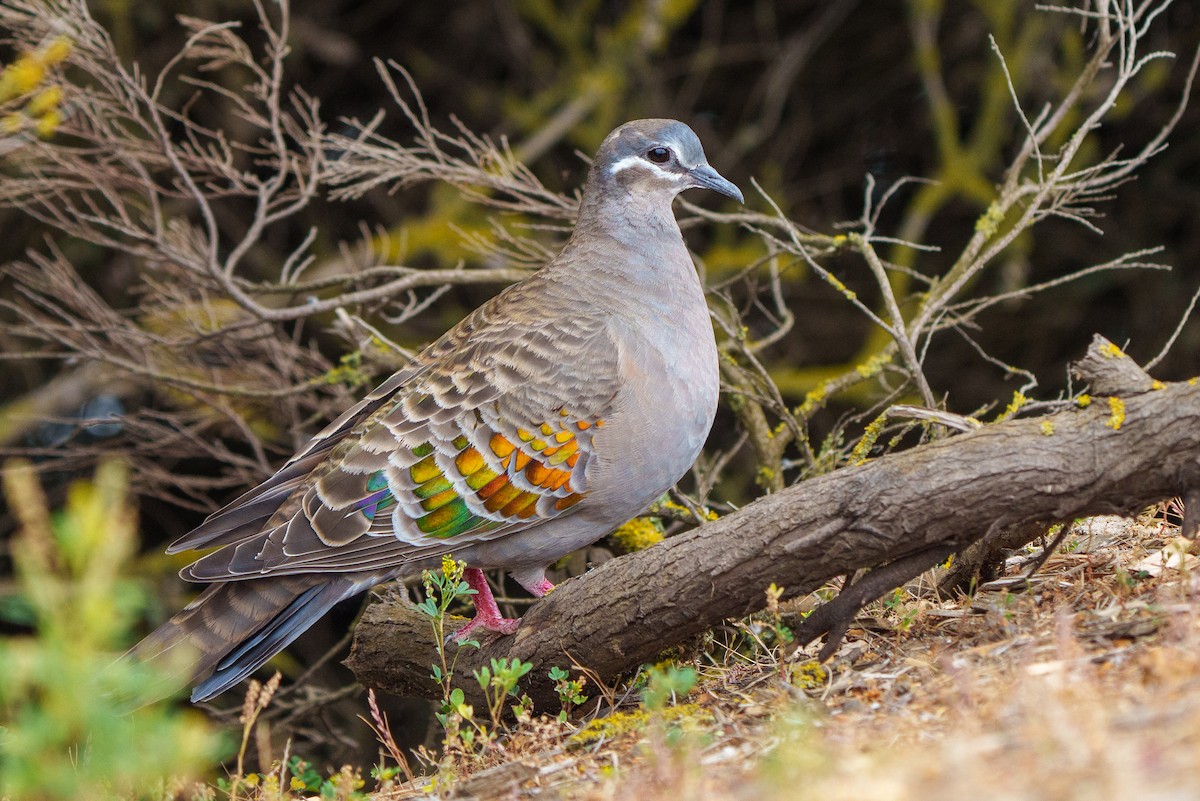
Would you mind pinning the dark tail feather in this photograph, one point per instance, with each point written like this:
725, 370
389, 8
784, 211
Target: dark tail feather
233, 628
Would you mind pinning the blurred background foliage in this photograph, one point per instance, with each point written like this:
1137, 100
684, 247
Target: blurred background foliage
809, 98
74, 724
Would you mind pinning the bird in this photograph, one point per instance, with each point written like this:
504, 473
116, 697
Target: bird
553, 413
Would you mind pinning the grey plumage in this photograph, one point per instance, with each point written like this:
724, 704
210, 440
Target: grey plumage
553, 413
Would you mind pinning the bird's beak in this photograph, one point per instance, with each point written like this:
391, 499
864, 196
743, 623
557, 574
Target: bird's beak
708, 178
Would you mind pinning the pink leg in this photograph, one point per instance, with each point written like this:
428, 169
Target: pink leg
534, 580
540, 588
487, 614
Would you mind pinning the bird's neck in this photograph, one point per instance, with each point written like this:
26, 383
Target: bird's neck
629, 260
630, 234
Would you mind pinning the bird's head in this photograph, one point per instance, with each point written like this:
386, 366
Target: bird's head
657, 158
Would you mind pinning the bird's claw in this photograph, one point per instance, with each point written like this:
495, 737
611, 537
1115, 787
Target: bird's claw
471, 631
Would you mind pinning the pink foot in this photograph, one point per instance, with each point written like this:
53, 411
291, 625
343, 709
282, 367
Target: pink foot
487, 613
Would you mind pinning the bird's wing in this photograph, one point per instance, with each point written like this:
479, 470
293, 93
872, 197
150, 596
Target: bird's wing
488, 433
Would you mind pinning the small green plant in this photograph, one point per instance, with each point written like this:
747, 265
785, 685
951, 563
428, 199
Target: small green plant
341, 786
570, 691
442, 589
454, 712
780, 633
465, 735
665, 684
464, 732
766, 634
899, 603
305, 777
498, 682
79, 723
303, 781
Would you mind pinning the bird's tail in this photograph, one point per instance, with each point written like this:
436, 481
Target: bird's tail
233, 627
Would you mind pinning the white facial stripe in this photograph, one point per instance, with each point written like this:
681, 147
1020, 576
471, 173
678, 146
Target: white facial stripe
638, 161
626, 163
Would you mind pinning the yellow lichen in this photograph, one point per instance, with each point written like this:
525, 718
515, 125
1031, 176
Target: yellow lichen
764, 476
1047, 428
1111, 351
667, 507
870, 435
56, 51
814, 399
22, 76
47, 124
28, 72
873, 365
1018, 400
1156, 384
349, 371
1117, 407
633, 722
638, 534
45, 101
833, 281
989, 223
808, 675
1083, 401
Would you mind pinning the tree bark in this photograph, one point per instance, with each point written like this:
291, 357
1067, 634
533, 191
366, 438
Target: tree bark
1113, 457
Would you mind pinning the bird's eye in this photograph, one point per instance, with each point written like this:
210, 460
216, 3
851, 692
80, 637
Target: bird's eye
659, 155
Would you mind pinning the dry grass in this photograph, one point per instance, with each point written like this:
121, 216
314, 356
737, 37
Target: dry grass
1084, 685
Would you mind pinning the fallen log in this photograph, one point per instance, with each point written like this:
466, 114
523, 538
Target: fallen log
896, 516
